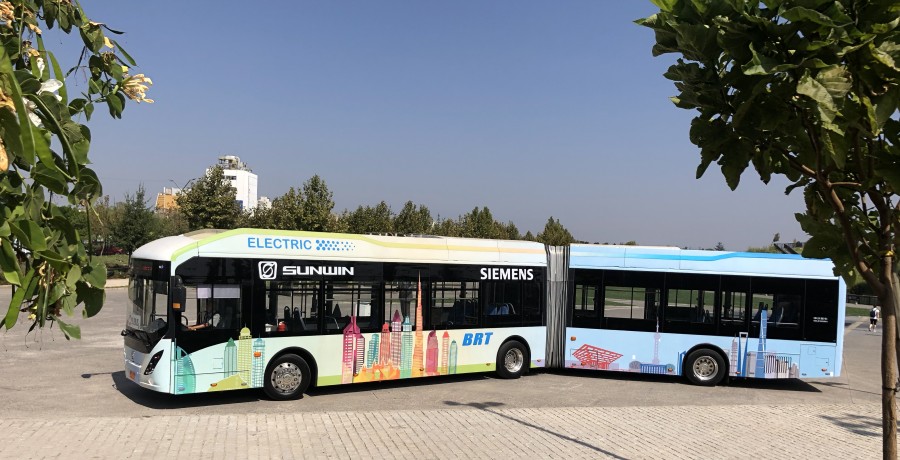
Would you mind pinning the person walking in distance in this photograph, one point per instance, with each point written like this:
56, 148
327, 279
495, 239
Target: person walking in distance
873, 318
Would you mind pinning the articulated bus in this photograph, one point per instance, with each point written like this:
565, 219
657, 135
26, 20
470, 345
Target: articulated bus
214, 311
281, 310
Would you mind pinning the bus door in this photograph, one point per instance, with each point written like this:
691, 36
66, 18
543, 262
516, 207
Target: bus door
213, 346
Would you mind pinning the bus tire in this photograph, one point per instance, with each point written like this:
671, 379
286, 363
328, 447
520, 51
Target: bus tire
512, 360
705, 367
287, 377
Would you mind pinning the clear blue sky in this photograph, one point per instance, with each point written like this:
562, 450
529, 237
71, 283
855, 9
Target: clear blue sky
530, 108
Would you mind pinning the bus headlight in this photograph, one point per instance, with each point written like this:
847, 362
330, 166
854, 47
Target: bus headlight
153, 361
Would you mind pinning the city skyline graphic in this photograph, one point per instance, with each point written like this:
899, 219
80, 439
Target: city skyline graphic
398, 351
742, 362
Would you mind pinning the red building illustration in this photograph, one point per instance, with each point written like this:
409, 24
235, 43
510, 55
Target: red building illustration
595, 357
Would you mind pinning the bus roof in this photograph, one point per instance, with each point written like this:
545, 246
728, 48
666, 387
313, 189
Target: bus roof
283, 244
676, 259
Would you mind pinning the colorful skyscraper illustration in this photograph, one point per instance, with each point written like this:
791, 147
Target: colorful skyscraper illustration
395, 338
259, 358
431, 354
245, 350
407, 350
595, 357
417, 364
374, 350
743, 339
453, 357
385, 351
733, 357
185, 378
229, 363
348, 358
360, 361
445, 353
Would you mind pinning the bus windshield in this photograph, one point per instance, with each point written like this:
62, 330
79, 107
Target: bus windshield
149, 300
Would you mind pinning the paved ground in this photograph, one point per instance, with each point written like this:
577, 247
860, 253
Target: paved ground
70, 400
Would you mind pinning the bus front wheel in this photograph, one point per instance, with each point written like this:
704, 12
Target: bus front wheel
288, 377
512, 360
704, 367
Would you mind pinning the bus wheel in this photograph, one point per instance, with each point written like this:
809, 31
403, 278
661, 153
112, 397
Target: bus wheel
704, 367
287, 377
512, 360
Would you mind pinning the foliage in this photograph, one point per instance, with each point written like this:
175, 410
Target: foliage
413, 220
210, 203
770, 249
719, 246
318, 203
808, 90
44, 152
367, 219
555, 234
137, 223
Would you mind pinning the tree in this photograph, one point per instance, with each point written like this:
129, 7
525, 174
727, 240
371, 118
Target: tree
719, 246
413, 220
318, 203
210, 203
44, 154
137, 224
366, 219
555, 234
286, 212
479, 223
807, 90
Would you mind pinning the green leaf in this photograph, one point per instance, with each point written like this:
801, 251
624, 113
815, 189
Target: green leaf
58, 74
15, 303
35, 235
57, 290
73, 277
92, 37
92, 297
666, 5
809, 87
50, 178
116, 104
69, 330
801, 14
95, 274
68, 304
9, 264
33, 143
125, 55
51, 116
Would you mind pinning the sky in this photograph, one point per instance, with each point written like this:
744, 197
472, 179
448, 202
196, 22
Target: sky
530, 108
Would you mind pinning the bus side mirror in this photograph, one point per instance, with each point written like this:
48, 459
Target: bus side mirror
179, 294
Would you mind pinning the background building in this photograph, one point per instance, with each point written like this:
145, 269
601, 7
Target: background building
242, 179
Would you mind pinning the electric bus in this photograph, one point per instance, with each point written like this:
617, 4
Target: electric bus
279, 310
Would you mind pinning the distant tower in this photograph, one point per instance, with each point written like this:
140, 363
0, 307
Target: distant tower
185, 378
656, 344
241, 177
743, 350
245, 350
453, 357
761, 348
407, 351
385, 351
417, 366
431, 354
259, 358
230, 363
734, 357
395, 338
445, 353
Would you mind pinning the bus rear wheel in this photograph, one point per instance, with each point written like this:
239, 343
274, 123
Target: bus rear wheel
512, 360
704, 367
288, 377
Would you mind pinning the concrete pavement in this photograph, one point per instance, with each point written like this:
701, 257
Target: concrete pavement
479, 431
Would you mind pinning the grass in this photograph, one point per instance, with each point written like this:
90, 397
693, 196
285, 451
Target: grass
857, 311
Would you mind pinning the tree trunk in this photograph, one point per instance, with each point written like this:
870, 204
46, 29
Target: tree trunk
889, 304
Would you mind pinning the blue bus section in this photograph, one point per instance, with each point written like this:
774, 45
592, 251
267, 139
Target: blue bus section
645, 310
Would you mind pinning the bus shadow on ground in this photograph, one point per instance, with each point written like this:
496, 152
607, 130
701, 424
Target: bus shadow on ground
154, 400
771, 384
397, 384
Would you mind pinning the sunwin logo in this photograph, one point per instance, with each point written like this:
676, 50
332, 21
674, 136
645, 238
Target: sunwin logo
268, 270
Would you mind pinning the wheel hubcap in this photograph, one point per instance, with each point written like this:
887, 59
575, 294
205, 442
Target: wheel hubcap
706, 368
286, 378
514, 360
